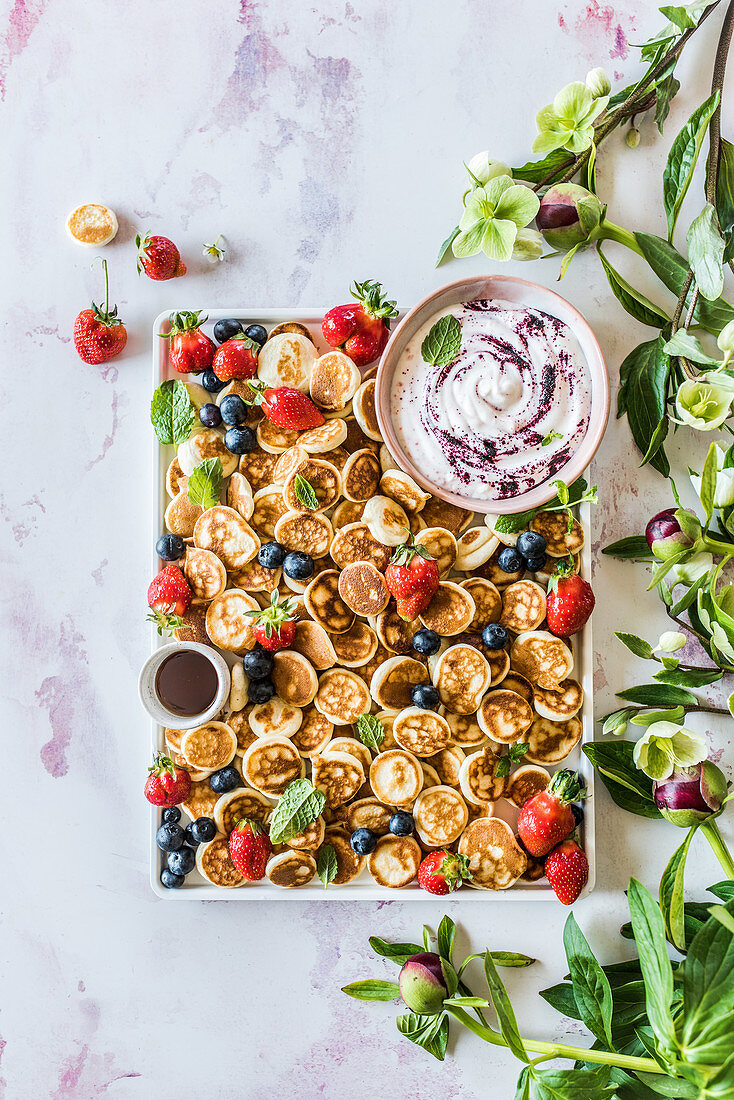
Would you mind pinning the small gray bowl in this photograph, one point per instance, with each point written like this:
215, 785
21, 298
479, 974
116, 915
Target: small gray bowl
155, 708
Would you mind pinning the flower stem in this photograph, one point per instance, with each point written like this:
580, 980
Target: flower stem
608, 231
718, 844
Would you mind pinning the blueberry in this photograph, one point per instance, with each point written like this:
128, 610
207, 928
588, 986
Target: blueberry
226, 329
210, 416
531, 545
427, 642
401, 823
211, 383
226, 779
259, 691
171, 814
363, 841
258, 664
510, 561
199, 831
170, 547
170, 836
534, 565
578, 813
271, 555
182, 861
256, 333
170, 880
233, 410
298, 566
495, 636
425, 696
240, 441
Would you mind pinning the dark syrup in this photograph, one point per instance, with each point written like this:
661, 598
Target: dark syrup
186, 683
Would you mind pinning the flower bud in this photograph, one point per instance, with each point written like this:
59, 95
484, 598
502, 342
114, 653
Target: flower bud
422, 984
690, 795
632, 137
725, 340
664, 535
568, 215
598, 83
481, 169
670, 641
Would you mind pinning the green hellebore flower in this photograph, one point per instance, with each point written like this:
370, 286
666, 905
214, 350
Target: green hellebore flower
492, 216
568, 122
724, 488
665, 746
598, 83
702, 403
689, 571
528, 245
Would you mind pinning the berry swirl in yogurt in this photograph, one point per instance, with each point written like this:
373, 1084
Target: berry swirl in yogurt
506, 414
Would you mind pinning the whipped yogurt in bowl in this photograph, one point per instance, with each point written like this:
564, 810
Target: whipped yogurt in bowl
489, 421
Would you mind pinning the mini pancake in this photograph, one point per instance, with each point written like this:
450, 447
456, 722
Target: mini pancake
273, 439
226, 534
504, 716
369, 813
254, 577
294, 677
450, 611
291, 869
386, 718
535, 869
342, 696
314, 734
287, 359
491, 571
523, 606
487, 602
422, 732
323, 478
176, 480
387, 460
304, 531
440, 815
202, 445
257, 468
311, 838
173, 739
360, 476
239, 722
396, 634
513, 681
209, 746
238, 387
362, 588
401, 488
275, 718
416, 523
365, 412
396, 777
395, 861
180, 516
378, 658
475, 547
438, 513
355, 542
196, 774
478, 778
315, 645
328, 435
496, 860
334, 381
386, 520
268, 508
270, 764
442, 546
287, 462
205, 573
214, 863
355, 647
325, 605
560, 703
526, 782
559, 541
465, 731
338, 774
356, 439
551, 742
337, 456
430, 776
448, 763
201, 800
346, 512
542, 658
239, 495
290, 326
348, 863
227, 621
499, 664
461, 676
92, 224
352, 746
194, 626
393, 681
242, 802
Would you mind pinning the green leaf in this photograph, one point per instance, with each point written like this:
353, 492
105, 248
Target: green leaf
721, 1085
561, 997
635, 644
725, 188
723, 890
372, 990
426, 938
445, 937
326, 864
634, 547
443, 342
649, 929
688, 677
572, 1084
522, 1089
630, 788
398, 952
689, 346
511, 958
633, 301
429, 1032
706, 253
647, 717
591, 988
370, 730
504, 1010
172, 413
682, 159
445, 248
658, 695
643, 378
205, 483
672, 269
546, 170
707, 1035
299, 805
548, 439
666, 91
671, 893
305, 492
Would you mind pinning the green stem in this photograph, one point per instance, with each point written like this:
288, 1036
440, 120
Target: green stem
106, 289
718, 844
608, 231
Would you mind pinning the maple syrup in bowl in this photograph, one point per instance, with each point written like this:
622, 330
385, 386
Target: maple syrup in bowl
184, 684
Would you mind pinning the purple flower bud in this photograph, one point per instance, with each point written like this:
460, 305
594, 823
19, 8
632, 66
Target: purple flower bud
422, 984
690, 795
568, 215
664, 531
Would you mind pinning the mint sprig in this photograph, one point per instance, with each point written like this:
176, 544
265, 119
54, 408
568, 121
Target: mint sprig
370, 730
327, 867
205, 483
172, 413
299, 806
305, 492
443, 342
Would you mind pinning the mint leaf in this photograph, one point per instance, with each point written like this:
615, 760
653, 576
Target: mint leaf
326, 865
443, 342
517, 521
172, 413
370, 731
205, 483
547, 439
299, 806
304, 490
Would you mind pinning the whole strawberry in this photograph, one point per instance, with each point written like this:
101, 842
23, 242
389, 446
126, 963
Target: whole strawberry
275, 625
547, 818
287, 407
236, 358
567, 870
159, 258
250, 849
361, 329
442, 872
99, 334
167, 784
190, 349
169, 597
412, 577
570, 601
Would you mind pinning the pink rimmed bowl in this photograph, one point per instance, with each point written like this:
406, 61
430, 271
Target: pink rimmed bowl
523, 293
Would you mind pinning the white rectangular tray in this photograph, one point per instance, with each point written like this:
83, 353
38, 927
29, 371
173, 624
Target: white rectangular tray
362, 888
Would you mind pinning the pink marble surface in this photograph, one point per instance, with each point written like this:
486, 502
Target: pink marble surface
325, 140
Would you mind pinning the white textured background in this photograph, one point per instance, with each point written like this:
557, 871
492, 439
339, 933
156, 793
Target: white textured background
325, 140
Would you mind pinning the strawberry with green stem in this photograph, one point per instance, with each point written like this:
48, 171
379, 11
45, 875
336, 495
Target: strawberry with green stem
412, 578
167, 784
547, 818
275, 626
190, 349
250, 849
361, 329
286, 407
169, 598
570, 600
99, 334
443, 872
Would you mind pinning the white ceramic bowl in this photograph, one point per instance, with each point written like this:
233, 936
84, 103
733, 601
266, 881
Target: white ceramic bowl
524, 293
153, 705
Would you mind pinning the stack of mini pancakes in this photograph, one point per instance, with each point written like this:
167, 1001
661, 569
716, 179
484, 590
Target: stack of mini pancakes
353, 655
